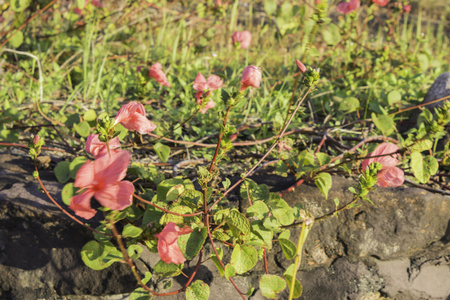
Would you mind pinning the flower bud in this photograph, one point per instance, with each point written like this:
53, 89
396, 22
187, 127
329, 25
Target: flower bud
234, 136
251, 77
406, 8
300, 66
36, 139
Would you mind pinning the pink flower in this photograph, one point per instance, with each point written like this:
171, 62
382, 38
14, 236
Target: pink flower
102, 179
168, 248
300, 66
348, 7
406, 8
251, 77
158, 74
218, 2
204, 88
98, 148
381, 2
132, 117
389, 175
243, 37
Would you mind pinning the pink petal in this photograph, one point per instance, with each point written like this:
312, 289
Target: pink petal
391, 176
98, 148
200, 82
210, 104
81, 205
140, 124
85, 176
199, 96
117, 196
158, 74
168, 248
111, 169
246, 38
214, 82
236, 37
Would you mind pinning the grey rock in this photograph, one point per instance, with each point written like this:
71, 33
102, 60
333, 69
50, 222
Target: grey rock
439, 89
398, 248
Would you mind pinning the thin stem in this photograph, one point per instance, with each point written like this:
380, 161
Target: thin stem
165, 210
60, 207
218, 258
298, 257
265, 155
130, 263
220, 139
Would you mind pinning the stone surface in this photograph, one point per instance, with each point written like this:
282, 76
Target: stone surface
397, 248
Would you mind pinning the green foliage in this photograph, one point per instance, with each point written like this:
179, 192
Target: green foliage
197, 291
99, 256
243, 258
166, 270
271, 285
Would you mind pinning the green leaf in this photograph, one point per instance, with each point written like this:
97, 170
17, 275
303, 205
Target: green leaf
271, 285
174, 192
349, 104
332, 34
62, 171
83, 128
243, 258
76, 164
323, 159
166, 270
394, 97
238, 223
16, 40
164, 187
262, 236
99, 256
289, 248
191, 244
297, 286
270, 6
162, 151
140, 294
384, 123
134, 251
272, 224
229, 271
216, 260
422, 145
423, 168
101, 237
280, 209
197, 291
67, 193
324, 182
19, 5
90, 115
131, 231
251, 190
259, 210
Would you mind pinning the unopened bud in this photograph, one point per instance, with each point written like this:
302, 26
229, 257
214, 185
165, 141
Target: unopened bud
36, 139
300, 66
234, 136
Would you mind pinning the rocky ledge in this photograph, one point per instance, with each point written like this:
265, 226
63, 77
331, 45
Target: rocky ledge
397, 248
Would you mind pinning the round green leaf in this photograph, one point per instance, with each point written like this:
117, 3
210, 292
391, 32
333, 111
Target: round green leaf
394, 97
67, 193
130, 231
16, 40
62, 171
140, 294
197, 291
271, 285
167, 270
191, 244
82, 128
349, 104
19, 5
243, 258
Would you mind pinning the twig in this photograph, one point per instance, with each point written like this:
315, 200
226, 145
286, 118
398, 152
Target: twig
165, 210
